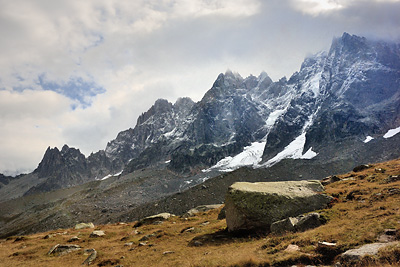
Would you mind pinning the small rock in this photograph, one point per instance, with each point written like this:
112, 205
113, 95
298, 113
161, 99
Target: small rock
354, 255
128, 244
73, 239
124, 238
154, 219
168, 252
330, 179
297, 224
52, 249
97, 233
388, 235
88, 251
145, 238
187, 230
292, 248
380, 170
142, 244
197, 243
62, 249
84, 226
221, 214
361, 167
205, 223
91, 258
20, 238
202, 208
48, 236
392, 178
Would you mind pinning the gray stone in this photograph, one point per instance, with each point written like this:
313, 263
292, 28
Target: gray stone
296, 224
361, 167
62, 249
84, 226
257, 205
354, 255
222, 214
89, 260
202, 208
308, 221
97, 233
154, 219
330, 179
285, 225
73, 239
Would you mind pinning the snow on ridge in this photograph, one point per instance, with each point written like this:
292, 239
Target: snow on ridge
368, 139
392, 132
110, 175
250, 156
313, 84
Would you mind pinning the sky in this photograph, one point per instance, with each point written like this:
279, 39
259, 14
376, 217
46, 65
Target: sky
78, 72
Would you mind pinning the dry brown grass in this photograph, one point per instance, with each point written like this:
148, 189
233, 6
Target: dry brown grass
365, 205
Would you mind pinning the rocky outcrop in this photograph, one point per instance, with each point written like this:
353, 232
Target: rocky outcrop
255, 206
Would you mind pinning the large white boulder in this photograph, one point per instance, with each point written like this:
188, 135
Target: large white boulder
253, 206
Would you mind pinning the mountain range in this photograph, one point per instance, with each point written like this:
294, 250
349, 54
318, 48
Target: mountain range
340, 109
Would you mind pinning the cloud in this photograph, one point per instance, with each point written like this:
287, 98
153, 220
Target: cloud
78, 72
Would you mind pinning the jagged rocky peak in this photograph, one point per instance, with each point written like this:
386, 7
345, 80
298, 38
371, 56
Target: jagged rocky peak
160, 106
349, 43
54, 159
228, 80
51, 159
183, 105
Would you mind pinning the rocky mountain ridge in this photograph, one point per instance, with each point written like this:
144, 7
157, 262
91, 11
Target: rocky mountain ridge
348, 93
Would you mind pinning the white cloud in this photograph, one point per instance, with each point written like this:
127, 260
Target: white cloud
138, 51
318, 7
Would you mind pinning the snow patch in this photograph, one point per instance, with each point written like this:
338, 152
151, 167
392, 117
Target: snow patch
367, 139
309, 154
110, 175
250, 156
313, 84
392, 132
274, 116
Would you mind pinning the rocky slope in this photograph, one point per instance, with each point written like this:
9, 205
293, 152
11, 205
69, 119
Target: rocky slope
361, 228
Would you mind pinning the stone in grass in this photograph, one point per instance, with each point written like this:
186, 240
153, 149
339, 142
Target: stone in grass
352, 256
255, 206
84, 226
89, 260
97, 233
73, 239
155, 219
62, 249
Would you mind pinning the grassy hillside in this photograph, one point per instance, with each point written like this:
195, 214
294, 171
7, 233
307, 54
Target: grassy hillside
366, 203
